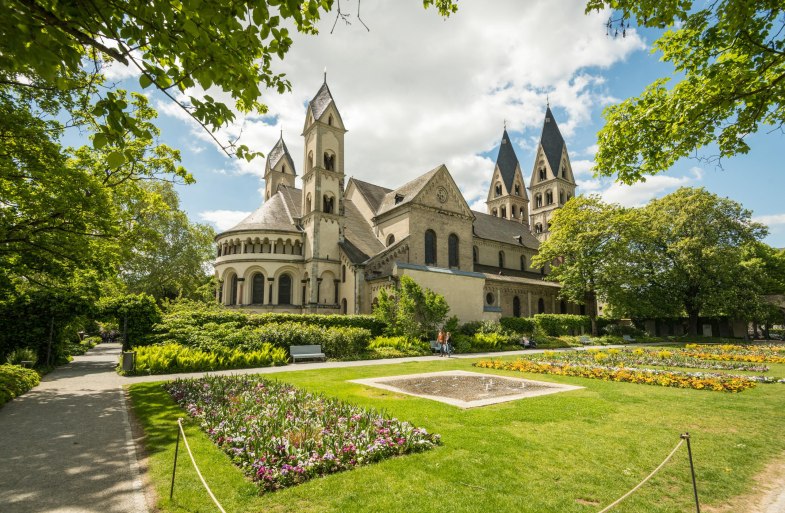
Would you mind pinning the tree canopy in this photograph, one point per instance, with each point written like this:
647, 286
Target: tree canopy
689, 253
729, 57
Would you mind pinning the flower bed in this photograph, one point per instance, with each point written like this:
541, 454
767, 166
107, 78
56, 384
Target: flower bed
281, 436
696, 380
736, 353
644, 357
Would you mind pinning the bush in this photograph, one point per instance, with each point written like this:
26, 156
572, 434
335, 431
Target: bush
343, 342
462, 343
15, 381
518, 324
555, 325
136, 314
169, 358
470, 328
21, 354
404, 346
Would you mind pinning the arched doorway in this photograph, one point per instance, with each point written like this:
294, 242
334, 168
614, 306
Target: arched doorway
285, 290
257, 289
233, 291
541, 305
516, 307
563, 307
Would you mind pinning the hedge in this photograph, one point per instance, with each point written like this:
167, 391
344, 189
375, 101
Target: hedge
555, 325
518, 324
168, 358
15, 380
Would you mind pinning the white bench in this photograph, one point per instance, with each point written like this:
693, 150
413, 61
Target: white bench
309, 352
585, 340
628, 338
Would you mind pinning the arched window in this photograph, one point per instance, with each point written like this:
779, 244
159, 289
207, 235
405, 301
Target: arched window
504, 212
541, 305
390, 240
283, 168
498, 189
538, 200
563, 307
343, 274
538, 228
329, 161
328, 204
308, 203
561, 197
516, 307
549, 198
517, 189
310, 160
514, 214
452, 250
501, 258
233, 290
343, 306
219, 251
330, 122
523, 262
285, 290
475, 254
542, 173
430, 247
564, 171
257, 289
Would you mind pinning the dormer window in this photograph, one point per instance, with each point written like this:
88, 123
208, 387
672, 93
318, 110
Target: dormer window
398, 198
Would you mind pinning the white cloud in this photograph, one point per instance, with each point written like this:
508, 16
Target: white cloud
655, 186
223, 219
582, 167
418, 91
771, 220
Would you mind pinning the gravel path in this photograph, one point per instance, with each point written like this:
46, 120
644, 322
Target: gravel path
66, 445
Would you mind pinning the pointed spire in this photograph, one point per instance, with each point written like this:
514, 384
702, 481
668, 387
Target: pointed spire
551, 140
278, 152
507, 161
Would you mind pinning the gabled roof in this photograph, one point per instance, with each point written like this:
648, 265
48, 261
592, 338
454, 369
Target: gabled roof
503, 230
507, 161
279, 152
359, 232
355, 255
272, 215
373, 194
552, 142
405, 193
321, 101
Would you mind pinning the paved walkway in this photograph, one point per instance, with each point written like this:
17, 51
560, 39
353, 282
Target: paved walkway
66, 445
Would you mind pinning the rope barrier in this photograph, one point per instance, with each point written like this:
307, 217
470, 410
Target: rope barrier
204, 483
617, 501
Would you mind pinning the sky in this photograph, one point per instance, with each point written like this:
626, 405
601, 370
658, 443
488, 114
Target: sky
416, 91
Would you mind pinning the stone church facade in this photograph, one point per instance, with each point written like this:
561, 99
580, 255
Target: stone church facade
331, 245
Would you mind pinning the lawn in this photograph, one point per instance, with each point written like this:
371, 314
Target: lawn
569, 452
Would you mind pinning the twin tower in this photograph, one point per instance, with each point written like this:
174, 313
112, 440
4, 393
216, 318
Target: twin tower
552, 182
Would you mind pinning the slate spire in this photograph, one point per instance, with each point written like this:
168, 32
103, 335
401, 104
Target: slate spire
552, 141
507, 161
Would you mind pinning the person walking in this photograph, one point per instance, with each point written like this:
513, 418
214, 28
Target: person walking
448, 343
440, 341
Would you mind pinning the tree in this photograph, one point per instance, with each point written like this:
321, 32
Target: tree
690, 258
586, 251
409, 310
166, 256
730, 56
177, 46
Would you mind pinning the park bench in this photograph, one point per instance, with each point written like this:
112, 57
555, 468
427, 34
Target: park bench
435, 346
585, 340
628, 338
308, 352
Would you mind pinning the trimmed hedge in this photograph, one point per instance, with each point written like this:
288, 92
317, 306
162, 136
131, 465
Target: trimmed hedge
555, 325
15, 381
168, 358
518, 324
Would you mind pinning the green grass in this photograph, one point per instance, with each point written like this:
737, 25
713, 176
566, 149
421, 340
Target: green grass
533, 455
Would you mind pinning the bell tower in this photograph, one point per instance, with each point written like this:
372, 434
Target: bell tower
552, 183
323, 186
507, 194
278, 169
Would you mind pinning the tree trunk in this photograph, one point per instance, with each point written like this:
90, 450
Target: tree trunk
593, 319
693, 323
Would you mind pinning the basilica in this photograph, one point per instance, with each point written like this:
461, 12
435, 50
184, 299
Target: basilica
331, 245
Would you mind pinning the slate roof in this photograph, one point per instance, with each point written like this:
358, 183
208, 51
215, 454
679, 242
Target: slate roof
272, 215
503, 230
373, 194
321, 101
293, 199
507, 161
359, 232
353, 252
552, 142
406, 192
278, 152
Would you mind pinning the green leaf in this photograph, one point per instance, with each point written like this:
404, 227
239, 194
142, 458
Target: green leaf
115, 159
145, 81
99, 141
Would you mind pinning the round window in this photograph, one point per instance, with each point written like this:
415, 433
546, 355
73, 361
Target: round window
489, 298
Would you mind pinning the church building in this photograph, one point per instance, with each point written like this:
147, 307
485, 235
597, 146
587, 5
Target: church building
331, 245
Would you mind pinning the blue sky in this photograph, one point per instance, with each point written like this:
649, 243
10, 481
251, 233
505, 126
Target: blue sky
418, 91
